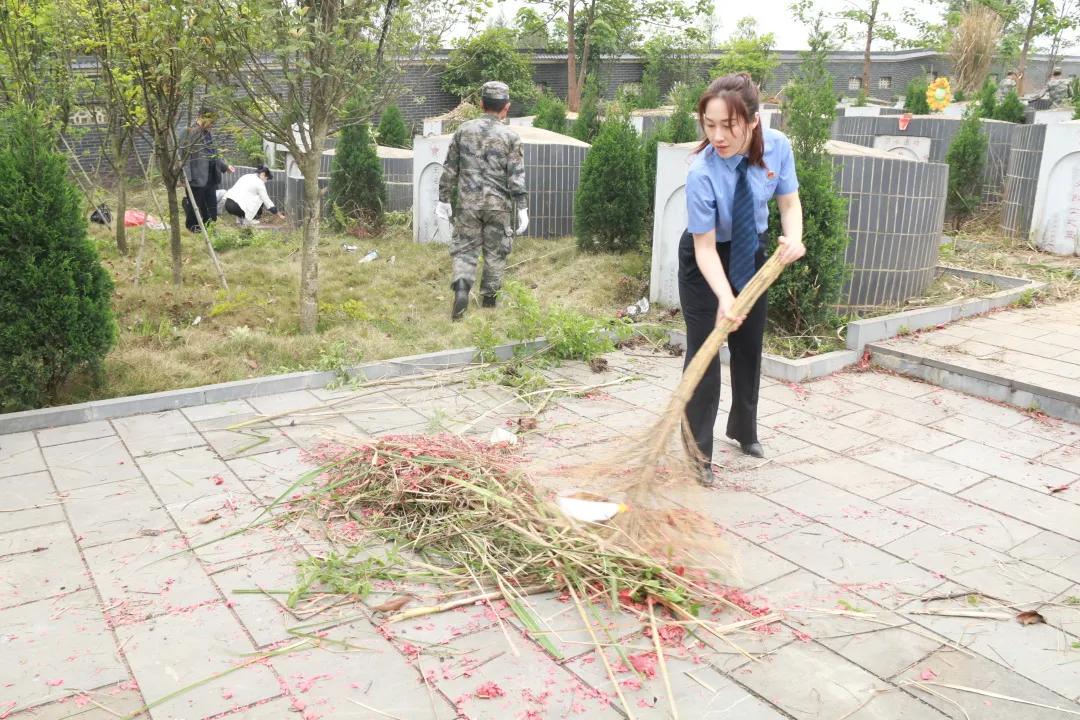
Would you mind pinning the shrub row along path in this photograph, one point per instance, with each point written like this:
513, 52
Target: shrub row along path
898, 528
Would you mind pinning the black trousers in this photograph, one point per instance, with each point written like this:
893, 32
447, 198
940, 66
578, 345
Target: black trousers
233, 208
699, 306
206, 199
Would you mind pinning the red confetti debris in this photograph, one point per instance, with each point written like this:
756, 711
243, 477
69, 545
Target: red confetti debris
55, 683
644, 663
927, 674
218, 480
488, 691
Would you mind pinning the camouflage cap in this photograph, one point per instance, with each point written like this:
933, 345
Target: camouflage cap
495, 90
1057, 70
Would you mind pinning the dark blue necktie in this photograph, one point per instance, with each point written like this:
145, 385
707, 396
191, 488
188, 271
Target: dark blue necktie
744, 235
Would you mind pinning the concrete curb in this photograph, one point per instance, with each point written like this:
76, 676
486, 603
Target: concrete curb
781, 368
1061, 405
243, 389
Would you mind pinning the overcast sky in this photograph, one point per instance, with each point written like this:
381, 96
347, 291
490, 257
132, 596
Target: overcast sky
772, 16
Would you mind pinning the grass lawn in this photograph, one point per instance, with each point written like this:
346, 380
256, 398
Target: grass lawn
175, 337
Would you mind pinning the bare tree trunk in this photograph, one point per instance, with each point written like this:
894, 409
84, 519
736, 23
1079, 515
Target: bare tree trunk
573, 92
866, 49
120, 156
587, 44
309, 252
1027, 47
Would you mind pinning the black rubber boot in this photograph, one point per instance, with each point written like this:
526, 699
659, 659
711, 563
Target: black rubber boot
461, 298
488, 301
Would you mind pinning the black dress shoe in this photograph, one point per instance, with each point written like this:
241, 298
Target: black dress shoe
461, 298
707, 479
488, 301
753, 449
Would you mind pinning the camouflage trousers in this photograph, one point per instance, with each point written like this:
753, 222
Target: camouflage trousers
476, 231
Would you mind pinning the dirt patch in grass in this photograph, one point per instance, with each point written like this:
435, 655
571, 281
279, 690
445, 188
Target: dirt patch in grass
175, 337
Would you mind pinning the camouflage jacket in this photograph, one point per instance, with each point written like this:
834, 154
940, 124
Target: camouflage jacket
1057, 89
486, 164
1007, 85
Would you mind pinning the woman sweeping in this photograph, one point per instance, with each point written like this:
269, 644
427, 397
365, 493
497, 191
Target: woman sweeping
739, 167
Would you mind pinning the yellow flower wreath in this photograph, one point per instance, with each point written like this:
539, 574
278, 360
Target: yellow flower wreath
939, 94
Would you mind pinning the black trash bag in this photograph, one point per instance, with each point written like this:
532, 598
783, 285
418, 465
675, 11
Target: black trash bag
101, 215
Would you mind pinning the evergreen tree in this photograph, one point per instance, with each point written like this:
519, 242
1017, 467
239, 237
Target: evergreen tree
804, 296
1010, 109
609, 209
55, 312
966, 157
988, 99
915, 96
550, 113
587, 123
356, 179
392, 129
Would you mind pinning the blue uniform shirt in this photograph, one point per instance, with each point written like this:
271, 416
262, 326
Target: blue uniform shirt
710, 186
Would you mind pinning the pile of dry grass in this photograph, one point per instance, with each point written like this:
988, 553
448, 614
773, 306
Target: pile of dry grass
974, 46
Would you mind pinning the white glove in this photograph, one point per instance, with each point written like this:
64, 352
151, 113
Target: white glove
523, 221
443, 210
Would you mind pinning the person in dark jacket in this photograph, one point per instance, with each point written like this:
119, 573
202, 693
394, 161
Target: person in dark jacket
203, 168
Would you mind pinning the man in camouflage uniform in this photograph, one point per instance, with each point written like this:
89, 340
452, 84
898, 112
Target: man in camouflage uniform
1007, 85
1057, 89
486, 165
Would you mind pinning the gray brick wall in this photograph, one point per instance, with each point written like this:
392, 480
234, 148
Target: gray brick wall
1022, 180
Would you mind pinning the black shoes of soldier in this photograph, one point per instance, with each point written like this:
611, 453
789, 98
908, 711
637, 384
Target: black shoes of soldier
461, 298
488, 301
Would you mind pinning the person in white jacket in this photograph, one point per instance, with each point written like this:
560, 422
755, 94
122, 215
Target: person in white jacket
247, 198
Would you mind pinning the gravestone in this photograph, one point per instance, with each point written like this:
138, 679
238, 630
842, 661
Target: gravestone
910, 148
524, 121
1055, 225
1048, 117
1022, 180
896, 211
552, 170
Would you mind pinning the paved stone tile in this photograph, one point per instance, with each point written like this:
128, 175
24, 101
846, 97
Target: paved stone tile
1053, 552
105, 703
440, 629
1041, 653
289, 403
974, 566
28, 500
224, 527
701, 692
157, 433
268, 475
753, 564
1059, 431
895, 429
385, 416
999, 463
1063, 367
107, 512
1042, 349
854, 476
811, 682
315, 432
192, 657
901, 407
54, 647
770, 477
265, 617
74, 433
184, 475
561, 624
875, 574
937, 472
775, 442
847, 512
955, 402
1065, 457
753, 517
238, 409
90, 462
148, 576
987, 433
39, 562
231, 444
961, 517
1065, 613
896, 384
817, 431
808, 400
331, 680
641, 394
869, 636
951, 667
19, 455
1035, 508
470, 661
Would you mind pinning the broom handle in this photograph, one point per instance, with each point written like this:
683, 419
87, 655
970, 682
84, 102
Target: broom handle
693, 373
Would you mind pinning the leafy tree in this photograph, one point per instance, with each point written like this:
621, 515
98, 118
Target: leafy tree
36, 56
610, 205
393, 132
550, 113
860, 100
748, 51
1010, 109
670, 59
865, 20
915, 96
490, 55
55, 313
804, 296
356, 179
287, 70
988, 99
1042, 19
966, 157
532, 31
